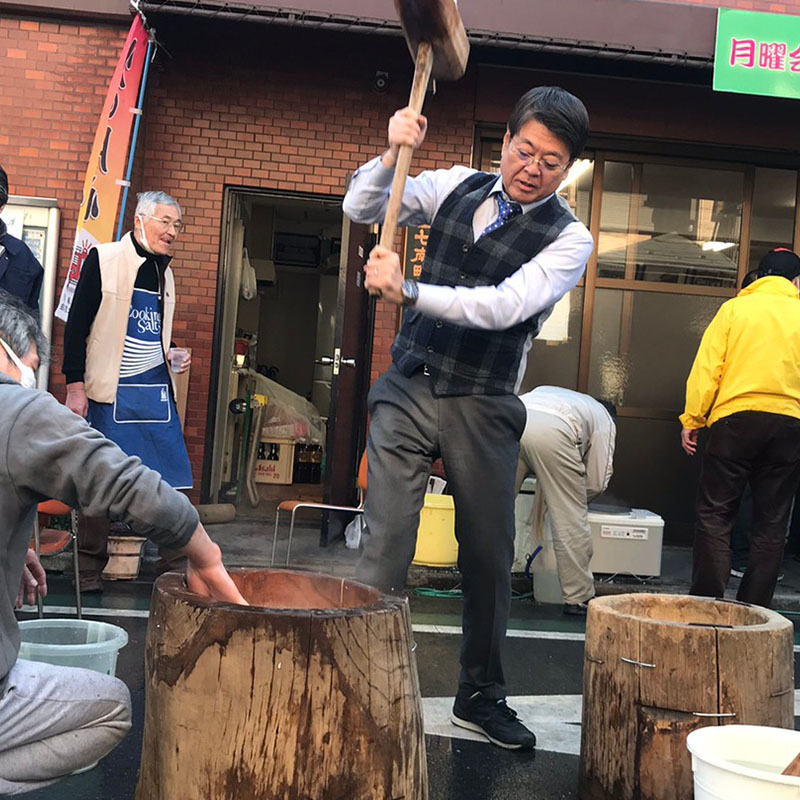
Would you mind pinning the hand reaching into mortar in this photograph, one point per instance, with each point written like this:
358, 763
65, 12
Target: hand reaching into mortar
206, 574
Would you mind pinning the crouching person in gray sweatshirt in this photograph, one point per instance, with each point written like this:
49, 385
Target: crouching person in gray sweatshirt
55, 720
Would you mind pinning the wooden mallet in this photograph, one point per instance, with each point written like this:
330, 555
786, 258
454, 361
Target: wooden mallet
438, 44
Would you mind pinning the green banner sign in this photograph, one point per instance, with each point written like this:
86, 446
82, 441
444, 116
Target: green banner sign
757, 53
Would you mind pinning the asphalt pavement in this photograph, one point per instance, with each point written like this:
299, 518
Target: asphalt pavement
543, 658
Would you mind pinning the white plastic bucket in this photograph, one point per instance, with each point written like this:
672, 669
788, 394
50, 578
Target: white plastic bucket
743, 762
72, 643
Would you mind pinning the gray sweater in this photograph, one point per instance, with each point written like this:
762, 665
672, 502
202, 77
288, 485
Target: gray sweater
46, 452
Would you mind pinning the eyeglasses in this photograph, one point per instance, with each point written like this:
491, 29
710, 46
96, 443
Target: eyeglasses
167, 223
546, 163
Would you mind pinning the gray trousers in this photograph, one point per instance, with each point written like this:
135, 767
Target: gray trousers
549, 451
477, 437
56, 720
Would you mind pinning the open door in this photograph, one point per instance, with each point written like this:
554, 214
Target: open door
219, 436
350, 365
310, 306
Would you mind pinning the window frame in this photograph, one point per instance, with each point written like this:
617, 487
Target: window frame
601, 150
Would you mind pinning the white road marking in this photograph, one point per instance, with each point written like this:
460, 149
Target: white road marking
514, 633
554, 718
445, 630
89, 611
520, 633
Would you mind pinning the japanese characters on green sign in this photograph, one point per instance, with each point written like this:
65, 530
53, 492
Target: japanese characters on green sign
757, 53
416, 244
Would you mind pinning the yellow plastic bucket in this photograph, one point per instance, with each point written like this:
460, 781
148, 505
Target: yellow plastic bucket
436, 536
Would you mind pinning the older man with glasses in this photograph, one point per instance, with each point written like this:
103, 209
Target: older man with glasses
502, 250
117, 347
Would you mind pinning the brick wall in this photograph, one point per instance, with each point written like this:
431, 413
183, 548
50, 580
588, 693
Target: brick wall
218, 117
218, 113
54, 81
233, 105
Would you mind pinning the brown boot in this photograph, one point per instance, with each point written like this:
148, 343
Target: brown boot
90, 581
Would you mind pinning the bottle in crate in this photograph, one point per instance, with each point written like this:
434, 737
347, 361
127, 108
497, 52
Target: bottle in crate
315, 463
301, 463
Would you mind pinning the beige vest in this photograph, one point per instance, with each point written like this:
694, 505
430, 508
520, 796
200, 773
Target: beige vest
119, 265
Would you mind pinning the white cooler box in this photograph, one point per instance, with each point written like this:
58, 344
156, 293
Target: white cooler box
629, 543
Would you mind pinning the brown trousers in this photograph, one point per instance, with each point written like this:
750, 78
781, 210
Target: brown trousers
763, 450
92, 543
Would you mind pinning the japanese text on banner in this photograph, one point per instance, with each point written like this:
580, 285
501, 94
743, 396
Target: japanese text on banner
757, 53
416, 245
105, 173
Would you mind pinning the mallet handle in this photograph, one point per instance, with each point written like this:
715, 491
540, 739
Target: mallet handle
794, 767
422, 74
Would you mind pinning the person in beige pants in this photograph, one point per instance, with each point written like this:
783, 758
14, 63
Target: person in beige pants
568, 444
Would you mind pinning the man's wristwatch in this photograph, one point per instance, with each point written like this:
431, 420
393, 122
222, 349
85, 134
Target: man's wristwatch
410, 290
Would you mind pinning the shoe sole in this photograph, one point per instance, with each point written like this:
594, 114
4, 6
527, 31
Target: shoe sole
472, 726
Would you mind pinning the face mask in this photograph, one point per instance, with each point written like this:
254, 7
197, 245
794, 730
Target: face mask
144, 241
27, 377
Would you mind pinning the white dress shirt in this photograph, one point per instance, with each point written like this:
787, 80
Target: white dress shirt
537, 285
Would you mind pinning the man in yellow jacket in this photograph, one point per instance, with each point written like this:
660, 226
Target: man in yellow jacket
745, 386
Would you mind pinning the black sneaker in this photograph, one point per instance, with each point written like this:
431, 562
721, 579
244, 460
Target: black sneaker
576, 609
494, 719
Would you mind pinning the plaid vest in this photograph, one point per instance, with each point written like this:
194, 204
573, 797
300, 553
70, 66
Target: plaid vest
464, 361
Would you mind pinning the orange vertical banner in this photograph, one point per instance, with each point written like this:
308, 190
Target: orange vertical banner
106, 171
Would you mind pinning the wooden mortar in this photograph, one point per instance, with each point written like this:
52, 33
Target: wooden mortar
659, 666
311, 692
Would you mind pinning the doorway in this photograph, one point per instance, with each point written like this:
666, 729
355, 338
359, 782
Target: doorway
293, 330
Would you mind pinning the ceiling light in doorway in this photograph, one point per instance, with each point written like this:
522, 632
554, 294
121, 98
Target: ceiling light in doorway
717, 246
575, 171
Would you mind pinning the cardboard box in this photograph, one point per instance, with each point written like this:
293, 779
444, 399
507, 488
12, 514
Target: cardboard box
626, 543
277, 464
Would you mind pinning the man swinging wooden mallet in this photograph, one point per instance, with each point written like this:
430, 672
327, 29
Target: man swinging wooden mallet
502, 251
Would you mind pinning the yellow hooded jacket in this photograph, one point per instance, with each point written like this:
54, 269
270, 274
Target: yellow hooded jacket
749, 357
